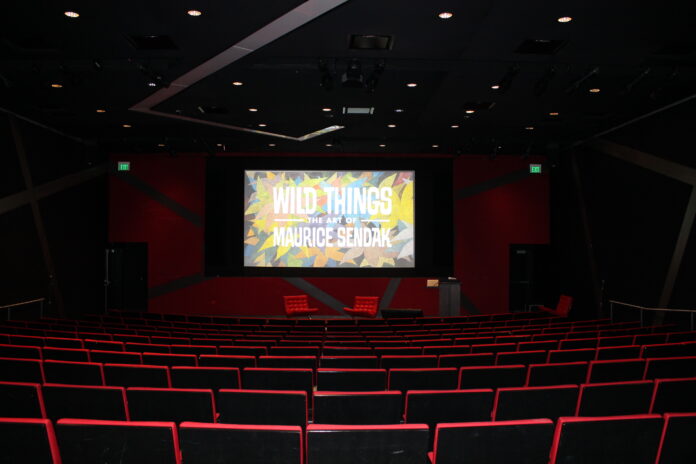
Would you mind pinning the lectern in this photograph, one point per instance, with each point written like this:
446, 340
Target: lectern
449, 297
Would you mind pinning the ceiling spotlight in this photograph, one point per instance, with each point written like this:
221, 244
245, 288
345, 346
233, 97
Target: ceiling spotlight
326, 110
127, 126
495, 86
411, 84
565, 19
101, 110
262, 124
253, 110
399, 110
436, 146
595, 90
237, 83
57, 86
381, 145
504, 84
391, 126
328, 145
470, 111
271, 144
71, 14
353, 77
194, 13
445, 15
152, 84
161, 145
529, 128
553, 113
455, 126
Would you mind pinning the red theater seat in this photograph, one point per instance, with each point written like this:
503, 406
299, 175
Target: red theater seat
351, 379
563, 307
277, 407
298, 305
615, 399
28, 441
170, 404
535, 402
18, 399
357, 408
674, 395
364, 306
678, 439
73, 373
84, 402
204, 377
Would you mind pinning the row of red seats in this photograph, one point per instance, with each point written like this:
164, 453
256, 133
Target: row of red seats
137, 375
291, 407
636, 439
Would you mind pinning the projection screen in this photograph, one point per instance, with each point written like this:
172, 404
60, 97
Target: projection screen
329, 219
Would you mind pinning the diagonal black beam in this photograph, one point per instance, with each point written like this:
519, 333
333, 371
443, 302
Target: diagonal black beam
161, 198
389, 293
316, 293
176, 284
496, 182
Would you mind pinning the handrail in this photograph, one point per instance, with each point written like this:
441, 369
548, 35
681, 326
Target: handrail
22, 303
652, 309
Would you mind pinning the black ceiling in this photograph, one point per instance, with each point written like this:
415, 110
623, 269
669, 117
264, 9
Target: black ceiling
641, 55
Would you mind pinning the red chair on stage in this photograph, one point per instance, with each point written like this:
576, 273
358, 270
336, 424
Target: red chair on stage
562, 309
365, 306
298, 305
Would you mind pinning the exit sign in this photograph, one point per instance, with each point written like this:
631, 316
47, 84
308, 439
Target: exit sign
123, 166
535, 168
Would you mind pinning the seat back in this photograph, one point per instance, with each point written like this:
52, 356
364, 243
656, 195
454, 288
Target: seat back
204, 377
84, 402
607, 440
170, 404
349, 362
19, 399
73, 372
376, 444
366, 306
423, 379
226, 360
678, 439
21, 370
133, 375
435, 406
296, 304
615, 399
262, 407
492, 376
351, 379
669, 368
573, 373
401, 361
248, 444
357, 408
535, 402
167, 359
565, 302
524, 442
261, 378
616, 370
674, 395
28, 440
83, 441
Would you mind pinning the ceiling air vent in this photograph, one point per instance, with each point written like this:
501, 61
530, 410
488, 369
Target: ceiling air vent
540, 46
151, 42
370, 42
358, 110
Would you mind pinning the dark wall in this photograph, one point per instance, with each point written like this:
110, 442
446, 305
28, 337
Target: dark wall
161, 202
73, 217
634, 214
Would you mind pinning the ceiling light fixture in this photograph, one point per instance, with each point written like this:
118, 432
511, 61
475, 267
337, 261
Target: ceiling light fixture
57, 86
194, 13
262, 124
271, 144
553, 113
436, 146
328, 145
391, 126
399, 110
127, 126
455, 126
470, 111
504, 84
326, 110
152, 84
382, 145
253, 110
565, 19
412, 84
101, 110
218, 144
71, 14
595, 90
445, 15
161, 145
529, 128
237, 83
495, 87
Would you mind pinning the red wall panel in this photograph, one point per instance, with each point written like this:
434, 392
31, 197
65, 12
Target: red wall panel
485, 223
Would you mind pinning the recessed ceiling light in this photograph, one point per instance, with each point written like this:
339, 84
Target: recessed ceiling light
470, 111
262, 124
71, 14
127, 126
399, 110
495, 86
253, 110
328, 145
391, 126
529, 128
161, 145
436, 146
237, 83
152, 84
553, 113
382, 145
565, 19
595, 90
455, 126
57, 86
445, 15
101, 110
411, 84
326, 109
194, 12
271, 144
218, 144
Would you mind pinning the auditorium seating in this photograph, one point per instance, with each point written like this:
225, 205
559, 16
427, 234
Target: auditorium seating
28, 440
346, 376
298, 305
678, 439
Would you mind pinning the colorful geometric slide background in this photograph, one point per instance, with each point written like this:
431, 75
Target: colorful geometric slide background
388, 240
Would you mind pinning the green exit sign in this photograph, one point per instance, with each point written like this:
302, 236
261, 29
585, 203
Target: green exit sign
123, 166
535, 168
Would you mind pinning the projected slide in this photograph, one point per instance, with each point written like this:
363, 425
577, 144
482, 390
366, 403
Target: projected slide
332, 219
